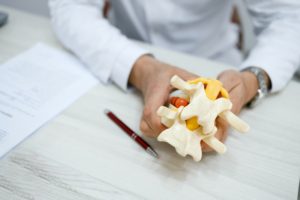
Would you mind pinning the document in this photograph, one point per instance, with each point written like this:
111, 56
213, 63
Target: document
35, 86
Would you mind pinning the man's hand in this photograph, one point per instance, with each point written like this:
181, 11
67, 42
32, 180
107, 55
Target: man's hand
152, 78
242, 87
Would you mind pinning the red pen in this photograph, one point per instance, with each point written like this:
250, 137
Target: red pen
131, 133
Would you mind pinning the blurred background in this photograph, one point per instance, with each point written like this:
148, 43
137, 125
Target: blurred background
40, 7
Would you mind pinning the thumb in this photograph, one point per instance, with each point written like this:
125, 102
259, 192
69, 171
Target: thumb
150, 122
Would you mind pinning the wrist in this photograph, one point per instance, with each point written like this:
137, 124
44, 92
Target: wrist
140, 69
251, 85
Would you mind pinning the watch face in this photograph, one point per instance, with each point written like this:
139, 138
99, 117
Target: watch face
262, 83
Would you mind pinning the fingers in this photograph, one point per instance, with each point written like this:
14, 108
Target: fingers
150, 122
188, 76
156, 97
233, 83
230, 79
236, 107
205, 147
156, 94
220, 135
222, 126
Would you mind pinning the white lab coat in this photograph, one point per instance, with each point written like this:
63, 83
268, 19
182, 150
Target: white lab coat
202, 28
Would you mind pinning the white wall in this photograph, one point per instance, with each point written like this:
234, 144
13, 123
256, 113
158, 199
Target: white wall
34, 6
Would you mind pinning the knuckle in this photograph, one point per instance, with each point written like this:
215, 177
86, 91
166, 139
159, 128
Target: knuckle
147, 112
144, 127
159, 126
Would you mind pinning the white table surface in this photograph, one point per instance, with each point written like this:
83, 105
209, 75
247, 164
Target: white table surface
81, 154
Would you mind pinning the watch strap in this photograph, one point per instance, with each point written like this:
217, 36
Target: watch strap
263, 88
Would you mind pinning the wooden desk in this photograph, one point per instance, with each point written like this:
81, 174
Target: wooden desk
82, 155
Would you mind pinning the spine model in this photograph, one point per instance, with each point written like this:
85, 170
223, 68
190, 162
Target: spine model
191, 116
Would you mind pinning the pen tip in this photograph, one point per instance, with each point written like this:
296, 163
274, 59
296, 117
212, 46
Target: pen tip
152, 152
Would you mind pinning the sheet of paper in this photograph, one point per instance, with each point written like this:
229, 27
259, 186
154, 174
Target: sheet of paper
34, 87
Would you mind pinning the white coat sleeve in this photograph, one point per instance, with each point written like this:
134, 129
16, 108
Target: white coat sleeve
277, 48
81, 28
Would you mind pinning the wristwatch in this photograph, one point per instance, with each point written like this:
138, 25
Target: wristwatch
263, 86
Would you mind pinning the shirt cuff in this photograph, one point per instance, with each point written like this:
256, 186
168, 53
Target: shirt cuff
124, 63
278, 76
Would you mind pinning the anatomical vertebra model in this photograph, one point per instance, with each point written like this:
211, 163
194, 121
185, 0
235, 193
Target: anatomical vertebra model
191, 116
